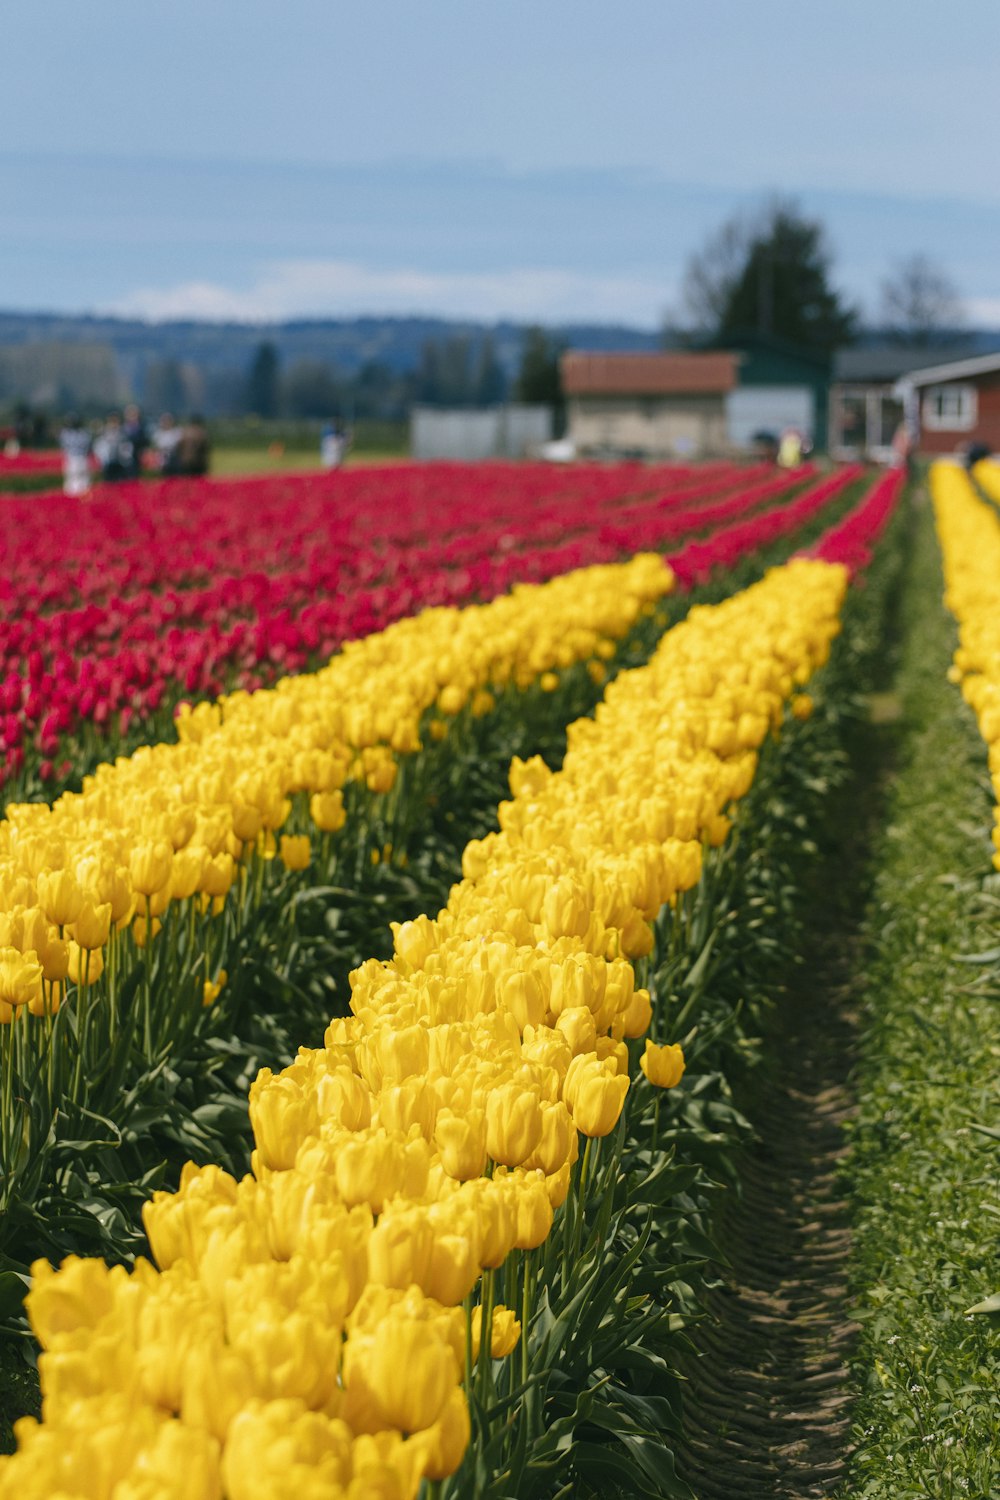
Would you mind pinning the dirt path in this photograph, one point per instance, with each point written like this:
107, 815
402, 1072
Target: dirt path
767, 1408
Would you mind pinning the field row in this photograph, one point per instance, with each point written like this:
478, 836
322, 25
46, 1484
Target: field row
415, 1180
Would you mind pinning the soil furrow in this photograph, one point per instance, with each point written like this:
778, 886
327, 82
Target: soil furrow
767, 1400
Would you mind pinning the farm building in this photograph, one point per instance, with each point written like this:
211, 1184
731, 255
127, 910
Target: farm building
866, 406
954, 405
684, 405
648, 405
781, 384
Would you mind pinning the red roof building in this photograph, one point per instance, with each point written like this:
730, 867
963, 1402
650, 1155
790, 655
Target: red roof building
648, 405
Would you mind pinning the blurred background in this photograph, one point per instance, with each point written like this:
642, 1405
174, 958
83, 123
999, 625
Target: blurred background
380, 218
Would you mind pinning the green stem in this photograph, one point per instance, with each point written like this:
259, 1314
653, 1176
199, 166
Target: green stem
527, 1290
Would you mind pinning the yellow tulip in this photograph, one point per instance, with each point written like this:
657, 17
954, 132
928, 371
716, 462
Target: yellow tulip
20, 977
663, 1066
412, 1374
59, 896
461, 1143
150, 866
295, 851
327, 811
504, 1334
93, 925
513, 1124
598, 1102
444, 1443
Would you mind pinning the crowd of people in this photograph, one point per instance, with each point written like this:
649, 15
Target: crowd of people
125, 447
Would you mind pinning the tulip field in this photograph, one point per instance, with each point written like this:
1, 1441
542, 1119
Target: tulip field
498, 985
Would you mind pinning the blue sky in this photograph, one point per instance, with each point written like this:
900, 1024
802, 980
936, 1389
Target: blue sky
544, 160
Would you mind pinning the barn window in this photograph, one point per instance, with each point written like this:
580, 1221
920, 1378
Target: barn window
950, 408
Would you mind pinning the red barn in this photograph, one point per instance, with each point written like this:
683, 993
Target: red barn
954, 405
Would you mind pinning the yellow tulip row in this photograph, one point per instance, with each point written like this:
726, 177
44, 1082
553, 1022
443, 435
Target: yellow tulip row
987, 475
178, 821
313, 1329
969, 533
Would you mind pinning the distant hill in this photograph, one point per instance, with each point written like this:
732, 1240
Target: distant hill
53, 360
346, 344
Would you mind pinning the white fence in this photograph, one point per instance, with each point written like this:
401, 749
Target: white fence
497, 432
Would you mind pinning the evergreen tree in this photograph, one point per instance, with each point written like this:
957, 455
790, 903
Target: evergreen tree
263, 382
769, 277
491, 382
539, 380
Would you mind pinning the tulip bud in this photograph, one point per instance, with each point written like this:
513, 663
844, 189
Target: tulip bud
92, 926
185, 877
409, 1103
557, 1134
218, 875
446, 1441
528, 777
412, 1373
343, 1097
505, 1332
369, 1169
295, 851
638, 1015
521, 994
566, 910
663, 1066
20, 977
461, 1143
59, 896
557, 1186
84, 966
327, 811
452, 1267
578, 1027
598, 1102
513, 1124
150, 866
534, 1213
282, 1116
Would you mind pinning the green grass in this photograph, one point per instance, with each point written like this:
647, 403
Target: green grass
262, 460
923, 1180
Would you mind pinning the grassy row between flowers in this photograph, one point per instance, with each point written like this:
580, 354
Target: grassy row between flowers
922, 1177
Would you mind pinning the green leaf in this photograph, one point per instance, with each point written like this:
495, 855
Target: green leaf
13, 1287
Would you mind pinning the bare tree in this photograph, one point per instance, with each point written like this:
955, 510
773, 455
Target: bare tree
919, 303
712, 275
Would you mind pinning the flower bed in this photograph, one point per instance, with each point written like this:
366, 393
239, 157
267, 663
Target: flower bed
267, 1349
98, 640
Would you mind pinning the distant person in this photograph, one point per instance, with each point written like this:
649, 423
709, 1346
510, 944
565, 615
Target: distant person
790, 448
137, 438
166, 441
902, 446
113, 450
74, 440
193, 450
332, 446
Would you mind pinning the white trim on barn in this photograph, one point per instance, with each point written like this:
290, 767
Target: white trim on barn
956, 369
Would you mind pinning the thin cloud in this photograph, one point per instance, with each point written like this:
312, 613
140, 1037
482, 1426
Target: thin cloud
338, 288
